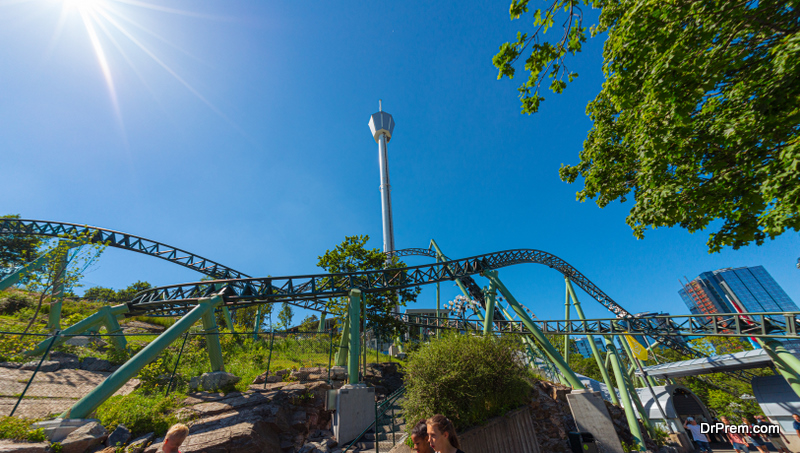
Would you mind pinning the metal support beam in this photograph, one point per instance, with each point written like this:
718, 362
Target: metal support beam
595, 352
321, 326
58, 293
634, 395
113, 328
355, 311
566, 317
211, 332
257, 323
785, 362
226, 315
93, 322
131, 368
344, 344
489, 295
541, 340
624, 392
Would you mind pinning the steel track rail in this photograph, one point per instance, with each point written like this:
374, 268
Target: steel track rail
125, 241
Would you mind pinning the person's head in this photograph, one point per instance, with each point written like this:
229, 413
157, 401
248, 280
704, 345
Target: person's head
419, 436
745, 420
441, 433
760, 418
691, 420
796, 417
724, 419
174, 438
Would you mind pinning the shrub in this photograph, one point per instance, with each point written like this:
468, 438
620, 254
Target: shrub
19, 429
15, 302
467, 378
140, 413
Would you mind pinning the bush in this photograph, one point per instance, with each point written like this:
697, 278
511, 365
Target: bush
15, 302
467, 378
19, 429
140, 413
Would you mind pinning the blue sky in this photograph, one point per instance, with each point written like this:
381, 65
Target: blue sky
238, 130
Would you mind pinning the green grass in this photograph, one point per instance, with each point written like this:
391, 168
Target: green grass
19, 429
141, 413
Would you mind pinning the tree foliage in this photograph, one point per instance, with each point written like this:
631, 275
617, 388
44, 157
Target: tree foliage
698, 117
285, 317
122, 295
353, 256
17, 250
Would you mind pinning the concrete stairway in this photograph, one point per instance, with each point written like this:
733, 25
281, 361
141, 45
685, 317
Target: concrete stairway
388, 435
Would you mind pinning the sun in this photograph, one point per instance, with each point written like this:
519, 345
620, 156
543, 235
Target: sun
83, 5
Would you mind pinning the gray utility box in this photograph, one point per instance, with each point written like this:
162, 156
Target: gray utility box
354, 411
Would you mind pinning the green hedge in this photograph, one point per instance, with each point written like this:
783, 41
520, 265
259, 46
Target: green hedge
467, 378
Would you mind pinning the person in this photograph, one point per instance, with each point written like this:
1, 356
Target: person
755, 438
737, 439
419, 436
702, 441
174, 438
796, 424
442, 435
776, 437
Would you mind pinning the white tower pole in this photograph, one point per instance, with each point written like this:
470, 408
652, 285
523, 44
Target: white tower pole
381, 125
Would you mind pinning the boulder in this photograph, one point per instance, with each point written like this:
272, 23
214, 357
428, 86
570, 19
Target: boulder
213, 381
81, 341
94, 364
47, 365
230, 433
84, 438
10, 364
10, 446
140, 443
119, 437
338, 373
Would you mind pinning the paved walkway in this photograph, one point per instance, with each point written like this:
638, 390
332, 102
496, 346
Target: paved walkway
50, 393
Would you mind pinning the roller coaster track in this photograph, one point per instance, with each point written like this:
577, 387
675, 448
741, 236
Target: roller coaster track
308, 291
118, 239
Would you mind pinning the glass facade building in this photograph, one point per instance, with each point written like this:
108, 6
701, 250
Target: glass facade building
746, 289
585, 349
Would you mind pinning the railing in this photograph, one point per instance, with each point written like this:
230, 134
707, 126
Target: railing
384, 410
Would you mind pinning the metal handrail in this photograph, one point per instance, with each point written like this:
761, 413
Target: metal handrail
380, 410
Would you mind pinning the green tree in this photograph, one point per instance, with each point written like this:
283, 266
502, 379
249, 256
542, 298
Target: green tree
353, 256
67, 260
285, 317
698, 117
17, 250
310, 324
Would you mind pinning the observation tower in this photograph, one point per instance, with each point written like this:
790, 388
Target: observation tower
381, 125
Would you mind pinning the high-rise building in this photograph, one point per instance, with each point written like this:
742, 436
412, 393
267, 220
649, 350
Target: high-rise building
746, 289
585, 349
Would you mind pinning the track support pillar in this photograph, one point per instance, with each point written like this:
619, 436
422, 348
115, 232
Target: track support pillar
355, 337
787, 364
211, 332
257, 323
624, 391
86, 405
105, 316
595, 352
226, 315
489, 294
344, 344
541, 340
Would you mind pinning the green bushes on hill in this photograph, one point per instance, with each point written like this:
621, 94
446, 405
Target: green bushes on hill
467, 378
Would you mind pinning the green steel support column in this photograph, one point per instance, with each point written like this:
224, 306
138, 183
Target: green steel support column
533, 350
634, 395
57, 295
633, 424
595, 352
787, 364
566, 317
542, 341
82, 326
321, 326
344, 344
489, 295
213, 347
226, 315
257, 323
112, 327
13, 279
440, 257
131, 368
352, 362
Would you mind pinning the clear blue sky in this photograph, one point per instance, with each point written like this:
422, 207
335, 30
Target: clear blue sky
238, 130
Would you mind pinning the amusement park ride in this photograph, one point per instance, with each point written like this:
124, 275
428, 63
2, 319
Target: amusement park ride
231, 289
